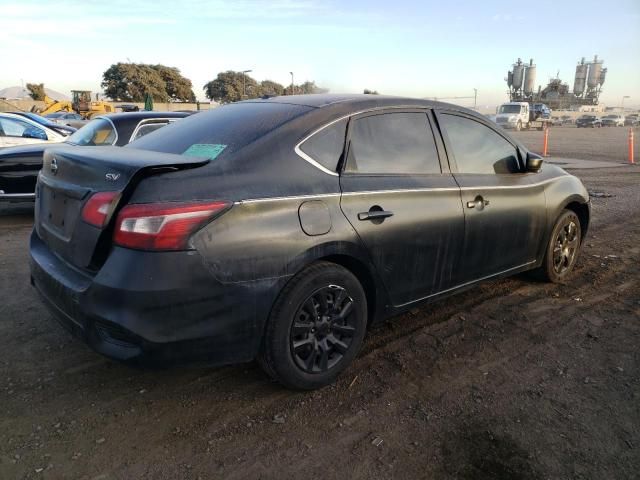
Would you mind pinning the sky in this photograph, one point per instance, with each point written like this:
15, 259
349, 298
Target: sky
414, 48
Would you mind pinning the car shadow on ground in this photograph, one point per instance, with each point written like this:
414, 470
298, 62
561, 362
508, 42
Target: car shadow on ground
16, 212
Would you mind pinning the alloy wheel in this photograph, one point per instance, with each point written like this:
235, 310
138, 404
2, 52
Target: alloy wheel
323, 329
565, 246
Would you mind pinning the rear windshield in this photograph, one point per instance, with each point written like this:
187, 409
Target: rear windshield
222, 130
98, 132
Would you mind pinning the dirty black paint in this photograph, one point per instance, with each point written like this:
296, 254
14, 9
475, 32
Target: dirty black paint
287, 213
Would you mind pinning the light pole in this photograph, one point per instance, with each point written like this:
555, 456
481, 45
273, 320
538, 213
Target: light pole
244, 89
291, 82
475, 99
622, 102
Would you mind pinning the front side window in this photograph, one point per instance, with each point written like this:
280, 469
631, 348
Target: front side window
11, 127
325, 146
393, 143
98, 132
477, 148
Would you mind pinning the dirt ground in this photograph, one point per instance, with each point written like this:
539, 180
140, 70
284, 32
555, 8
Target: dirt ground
513, 379
607, 143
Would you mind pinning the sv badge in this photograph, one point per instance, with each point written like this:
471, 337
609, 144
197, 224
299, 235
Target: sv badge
112, 177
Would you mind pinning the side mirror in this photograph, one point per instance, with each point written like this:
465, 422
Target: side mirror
33, 132
534, 162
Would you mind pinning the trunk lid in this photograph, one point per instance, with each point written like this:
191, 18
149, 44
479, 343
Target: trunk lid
70, 176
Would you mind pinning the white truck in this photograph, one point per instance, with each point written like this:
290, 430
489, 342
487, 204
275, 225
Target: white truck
521, 115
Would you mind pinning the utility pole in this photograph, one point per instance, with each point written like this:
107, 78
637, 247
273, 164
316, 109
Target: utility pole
291, 83
244, 87
475, 99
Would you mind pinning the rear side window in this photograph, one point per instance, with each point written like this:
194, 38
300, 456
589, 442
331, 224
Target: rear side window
146, 129
393, 143
325, 146
477, 148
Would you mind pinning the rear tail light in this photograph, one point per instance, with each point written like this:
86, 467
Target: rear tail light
163, 226
98, 208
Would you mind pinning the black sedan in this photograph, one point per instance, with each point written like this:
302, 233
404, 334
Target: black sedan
281, 229
588, 121
19, 166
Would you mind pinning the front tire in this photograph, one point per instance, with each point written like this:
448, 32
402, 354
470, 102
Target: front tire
518, 126
316, 327
563, 249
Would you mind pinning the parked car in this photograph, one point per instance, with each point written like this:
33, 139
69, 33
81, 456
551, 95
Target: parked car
281, 229
588, 121
19, 166
65, 130
556, 121
67, 118
540, 110
128, 107
19, 130
613, 121
567, 120
632, 120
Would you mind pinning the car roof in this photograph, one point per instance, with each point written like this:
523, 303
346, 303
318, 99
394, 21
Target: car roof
141, 115
328, 107
353, 100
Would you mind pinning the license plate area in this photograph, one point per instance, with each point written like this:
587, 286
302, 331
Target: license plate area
58, 212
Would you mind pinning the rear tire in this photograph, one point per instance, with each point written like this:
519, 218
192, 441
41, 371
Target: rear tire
562, 250
316, 327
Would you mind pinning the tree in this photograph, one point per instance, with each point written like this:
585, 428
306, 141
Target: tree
36, 90
309, 87
370, 92
178, 88
269, 87
228, 87
131, 81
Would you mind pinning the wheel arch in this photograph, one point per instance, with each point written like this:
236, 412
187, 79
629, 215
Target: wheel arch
583, 211
353, 258
366, 278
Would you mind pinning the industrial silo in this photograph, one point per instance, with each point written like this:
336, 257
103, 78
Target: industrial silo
603, 75
529, 78
518, 75
582, 70
595, 68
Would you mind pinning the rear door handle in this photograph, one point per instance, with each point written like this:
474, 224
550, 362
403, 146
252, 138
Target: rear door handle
374, 215
478, 203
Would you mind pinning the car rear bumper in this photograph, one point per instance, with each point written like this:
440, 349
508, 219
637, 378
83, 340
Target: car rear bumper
17, 197
154, 307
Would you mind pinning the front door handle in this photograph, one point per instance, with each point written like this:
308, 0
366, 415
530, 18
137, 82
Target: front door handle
374, 215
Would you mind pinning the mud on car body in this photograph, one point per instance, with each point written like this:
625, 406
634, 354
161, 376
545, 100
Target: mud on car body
281, 229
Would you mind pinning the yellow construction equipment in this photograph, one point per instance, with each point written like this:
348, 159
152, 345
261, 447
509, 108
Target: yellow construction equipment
81, 103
